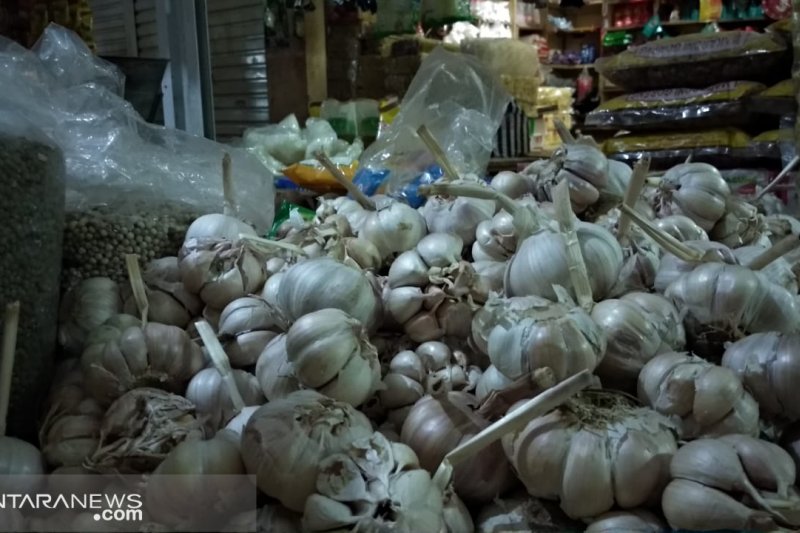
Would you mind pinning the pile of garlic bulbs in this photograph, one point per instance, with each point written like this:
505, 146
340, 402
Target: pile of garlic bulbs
343, 362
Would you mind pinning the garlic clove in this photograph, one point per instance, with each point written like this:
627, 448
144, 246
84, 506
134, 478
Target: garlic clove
638, 470
400, 391
767, 465
455, 318
340, 479
403, 303
245, 349
326, 514
717, 389
587, 484
408, 269
434, 355
423, 327
511, 184
440, 249
633, 521
363, 252
274, 371
408, 364
247, 314
270, 291
356, 381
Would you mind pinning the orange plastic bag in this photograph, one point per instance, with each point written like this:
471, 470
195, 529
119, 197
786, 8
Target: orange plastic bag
317, 179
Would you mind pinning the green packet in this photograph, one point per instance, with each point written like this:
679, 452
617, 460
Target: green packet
285, 212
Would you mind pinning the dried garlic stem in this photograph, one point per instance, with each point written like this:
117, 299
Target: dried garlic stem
137, 285
688, 159
632, 194
438, 154
10, 326
575, 262
365, 201
535, 407
664, 239
525, 221
267, 243
779, 249
563, 133
227, 186
653, 181
220, 361
498, 402
785, 172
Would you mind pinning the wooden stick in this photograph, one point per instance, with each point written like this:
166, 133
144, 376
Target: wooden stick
365, 201
438, 154
221, 362
774, 183
229, 206
632, 194
779, 249
268, 243
575, 261
137, 285
563, 132
662, 238
513, 421
688, 159
10, 327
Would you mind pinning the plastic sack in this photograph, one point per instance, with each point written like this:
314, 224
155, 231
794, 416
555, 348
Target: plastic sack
779, 99
276, 145
696, 60
772, 144
397, 17
723, 104
32, 217
460, 102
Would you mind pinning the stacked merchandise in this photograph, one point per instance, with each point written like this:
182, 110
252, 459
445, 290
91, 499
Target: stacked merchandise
557, 101
720, 98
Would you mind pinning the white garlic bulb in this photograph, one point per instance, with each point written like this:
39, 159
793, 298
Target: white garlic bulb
274, 371
330, 352
681, 227
638, 327
393, 227
741, 225
593, 453
495, 239
635, 520
324, 283
705, 399
671, 267
512, 184
212, 398
247, 325
642, 259
216, 226
696, 190
723, 302
169, 301
541, 262
768, 365
85, 307
458, 216
778, 271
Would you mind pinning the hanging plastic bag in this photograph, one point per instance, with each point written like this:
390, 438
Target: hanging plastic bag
437, 13
397, 17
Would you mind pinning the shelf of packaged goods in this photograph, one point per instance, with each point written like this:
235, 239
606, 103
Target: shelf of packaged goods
577, 31
556, 66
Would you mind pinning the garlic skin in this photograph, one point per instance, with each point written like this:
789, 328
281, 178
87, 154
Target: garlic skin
637, 327
619, 176
591, 456
329, 351
642, 259
541, 262
779, 271
520, 512
324, 283
286, 440
274, 371
495, 239
489, 279
247, 325
681, 227
85, 307
438, 424
768, 365
705, 400
219, 271
218, 227
156, 355
458, 216
393, 228
723, 302
512, 184
212, 400
584, 166
671, 268
491, 380
696, 190
639, 520
170, 302
741, 225
527, 333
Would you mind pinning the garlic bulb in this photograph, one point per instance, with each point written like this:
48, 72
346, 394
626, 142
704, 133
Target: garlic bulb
357, 253
512, 184
541, 262
374, 485
353, 212
212, 399
324, 283
285, 441
582, 164
431, 369
156, 355
330, 352
248, 324
681, 227
638, 327
71, 428
170, 302
526, 333
778, 271
705, 399
704, 471
741, 225
642, 259
216, 226
219, 271
270, 291
671, 267
457, 216
723, 302
596, 451
523, 513
393, 227
175, 497
767, 364
140, 428
437, 424
23, 468
619, 176
638, 520
85, 307
495, 239
696, 190
274, 371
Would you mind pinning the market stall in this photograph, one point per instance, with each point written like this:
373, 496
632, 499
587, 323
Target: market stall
358, 322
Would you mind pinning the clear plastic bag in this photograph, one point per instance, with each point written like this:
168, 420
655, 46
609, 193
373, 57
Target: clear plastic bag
460, 101
32, 217
132, 187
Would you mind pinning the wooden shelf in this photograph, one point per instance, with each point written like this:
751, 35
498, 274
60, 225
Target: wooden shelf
673, 23
625, 28
587, 29
557, 66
